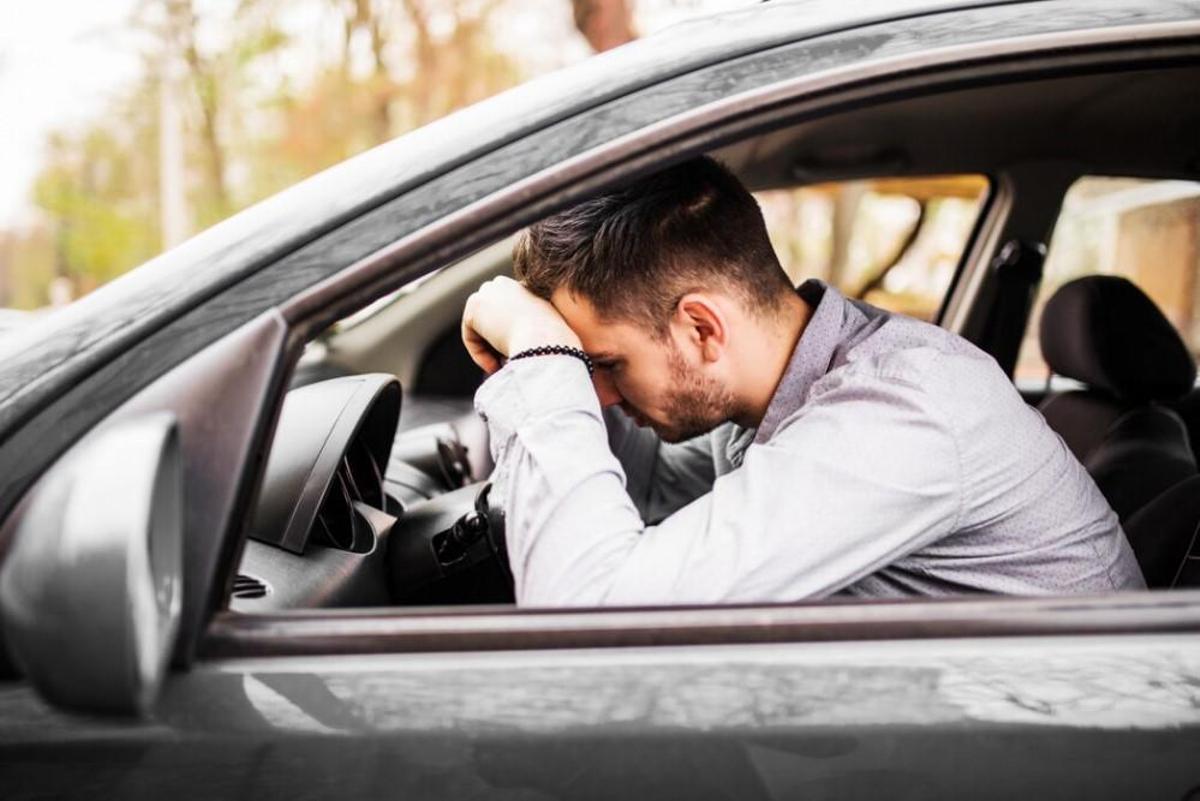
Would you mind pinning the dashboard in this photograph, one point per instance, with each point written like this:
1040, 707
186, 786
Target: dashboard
352, 514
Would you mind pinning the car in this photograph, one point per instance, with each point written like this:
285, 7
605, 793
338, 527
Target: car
247, 549
11, 319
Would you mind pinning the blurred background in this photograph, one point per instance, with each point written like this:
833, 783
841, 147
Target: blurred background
127, 126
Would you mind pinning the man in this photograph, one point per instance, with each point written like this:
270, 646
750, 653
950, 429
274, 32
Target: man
823, 446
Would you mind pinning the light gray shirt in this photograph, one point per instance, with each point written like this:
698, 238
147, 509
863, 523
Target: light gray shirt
895, 459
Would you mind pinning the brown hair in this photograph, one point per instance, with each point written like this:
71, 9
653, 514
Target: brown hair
634, 252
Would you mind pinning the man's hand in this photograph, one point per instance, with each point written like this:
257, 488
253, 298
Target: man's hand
503, 317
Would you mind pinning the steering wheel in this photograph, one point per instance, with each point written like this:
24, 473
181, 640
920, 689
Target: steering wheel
451, 549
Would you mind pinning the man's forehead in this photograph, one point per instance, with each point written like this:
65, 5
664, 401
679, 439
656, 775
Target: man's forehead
603, 338
567, 301
578, 311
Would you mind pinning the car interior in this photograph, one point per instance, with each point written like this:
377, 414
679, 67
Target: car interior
375, 492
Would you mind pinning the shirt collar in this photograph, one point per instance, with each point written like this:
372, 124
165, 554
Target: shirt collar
811, 357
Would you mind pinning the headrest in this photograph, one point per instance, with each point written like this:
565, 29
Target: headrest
1104, 331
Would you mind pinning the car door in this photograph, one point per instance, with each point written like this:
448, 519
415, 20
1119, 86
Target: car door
991, 697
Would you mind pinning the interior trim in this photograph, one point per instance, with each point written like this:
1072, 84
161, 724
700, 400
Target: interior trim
985, 240
407, 630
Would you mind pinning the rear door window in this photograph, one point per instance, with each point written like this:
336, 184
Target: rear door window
1145, 230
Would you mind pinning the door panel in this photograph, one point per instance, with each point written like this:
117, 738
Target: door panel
1101, 717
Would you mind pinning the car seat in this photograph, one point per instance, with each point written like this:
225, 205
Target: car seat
1165, 536
1104, 332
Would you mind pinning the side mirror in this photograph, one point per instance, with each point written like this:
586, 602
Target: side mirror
90, 593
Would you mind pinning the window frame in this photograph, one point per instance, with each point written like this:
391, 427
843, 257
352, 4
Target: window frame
402, 630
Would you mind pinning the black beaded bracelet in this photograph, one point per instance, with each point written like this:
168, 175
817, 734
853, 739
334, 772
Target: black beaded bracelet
556, 350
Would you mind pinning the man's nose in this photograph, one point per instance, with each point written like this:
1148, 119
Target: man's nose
606, 390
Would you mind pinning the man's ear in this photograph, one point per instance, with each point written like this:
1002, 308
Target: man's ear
702, 323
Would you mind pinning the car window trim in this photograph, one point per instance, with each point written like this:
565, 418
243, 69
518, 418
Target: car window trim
983, 241
396, 630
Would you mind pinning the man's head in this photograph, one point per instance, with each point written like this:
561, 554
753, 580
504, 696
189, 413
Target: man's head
664, 281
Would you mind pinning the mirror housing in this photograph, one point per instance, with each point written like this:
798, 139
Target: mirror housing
90, 593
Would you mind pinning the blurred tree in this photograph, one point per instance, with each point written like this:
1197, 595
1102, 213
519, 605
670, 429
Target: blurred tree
370, 23
32, 251
220, 51
205, 71
400, 64
99, 197
604, 23
248, 121
99, 190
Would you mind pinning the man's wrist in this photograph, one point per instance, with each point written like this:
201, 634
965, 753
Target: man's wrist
556, 350
536, 390
528, 340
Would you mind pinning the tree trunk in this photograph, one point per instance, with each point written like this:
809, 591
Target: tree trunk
380, 81
427, 74
182, 22
172, 188
604, 23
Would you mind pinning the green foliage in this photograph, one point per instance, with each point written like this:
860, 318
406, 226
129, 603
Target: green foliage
257, 43
97, 196
250, 129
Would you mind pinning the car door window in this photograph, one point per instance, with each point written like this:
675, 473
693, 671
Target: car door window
894, 242
1147, 231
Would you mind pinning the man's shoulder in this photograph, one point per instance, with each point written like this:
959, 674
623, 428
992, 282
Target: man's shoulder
908, 351
915, 369
904, 367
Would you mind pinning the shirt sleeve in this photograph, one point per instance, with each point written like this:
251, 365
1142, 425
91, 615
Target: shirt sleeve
864, 474
661, 477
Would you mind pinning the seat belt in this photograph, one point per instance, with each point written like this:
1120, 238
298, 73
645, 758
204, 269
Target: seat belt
1017, 273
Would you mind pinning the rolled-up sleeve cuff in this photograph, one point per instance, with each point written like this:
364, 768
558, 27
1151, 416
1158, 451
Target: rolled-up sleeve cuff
530, 390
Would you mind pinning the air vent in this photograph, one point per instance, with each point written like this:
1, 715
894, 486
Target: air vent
248, 587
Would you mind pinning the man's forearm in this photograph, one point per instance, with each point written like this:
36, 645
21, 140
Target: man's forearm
570, 523
660, 477
637, 451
